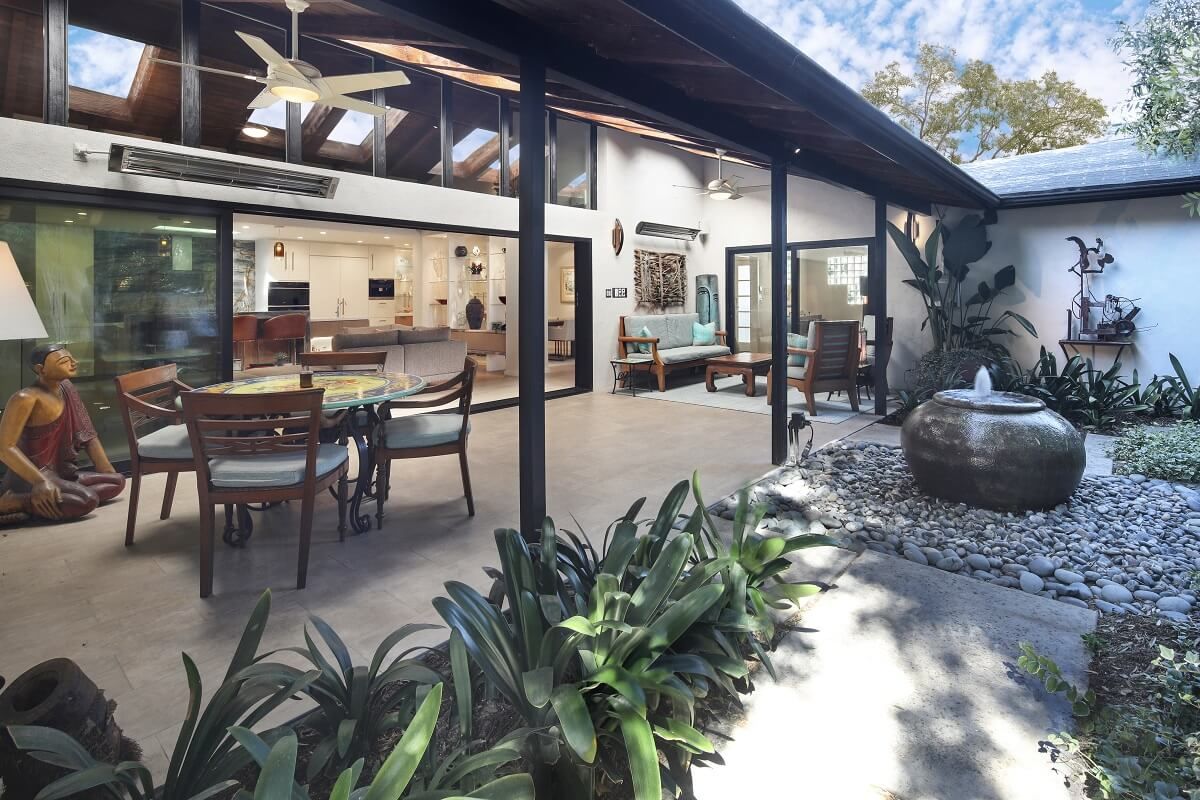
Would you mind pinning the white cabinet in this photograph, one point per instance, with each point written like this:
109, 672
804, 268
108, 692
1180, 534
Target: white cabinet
337, 287
381, 312
292, 267
381, 262
296, 261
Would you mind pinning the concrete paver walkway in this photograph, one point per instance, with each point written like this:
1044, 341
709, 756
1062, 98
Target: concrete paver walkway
902, 683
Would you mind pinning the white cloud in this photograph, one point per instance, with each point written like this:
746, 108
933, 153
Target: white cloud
101, 62
1022, 38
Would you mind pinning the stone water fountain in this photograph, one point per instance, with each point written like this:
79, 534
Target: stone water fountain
998, 450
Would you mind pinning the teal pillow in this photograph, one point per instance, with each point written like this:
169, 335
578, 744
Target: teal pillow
797, 340
644, 347
704, 334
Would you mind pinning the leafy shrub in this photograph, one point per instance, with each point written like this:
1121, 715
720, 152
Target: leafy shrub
1084, 394
1171, 453
1131, 751
1182, 396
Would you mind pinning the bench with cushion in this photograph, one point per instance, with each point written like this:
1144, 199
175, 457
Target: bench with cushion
669, 346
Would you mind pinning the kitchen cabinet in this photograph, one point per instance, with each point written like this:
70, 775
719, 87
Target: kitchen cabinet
337, 287
381, 312
292, 267
381, 262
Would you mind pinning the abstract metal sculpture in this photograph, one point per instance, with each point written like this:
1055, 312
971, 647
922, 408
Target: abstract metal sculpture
1090, 319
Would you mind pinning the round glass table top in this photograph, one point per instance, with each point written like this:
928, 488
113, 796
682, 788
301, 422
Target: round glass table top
342, 389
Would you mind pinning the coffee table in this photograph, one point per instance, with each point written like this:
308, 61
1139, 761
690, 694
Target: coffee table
747, 365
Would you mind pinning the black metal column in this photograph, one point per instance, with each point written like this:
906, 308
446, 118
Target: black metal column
292, 132
794, 299
779, 300
446, 129
55, 74
225, 293
189, 79
531, 295
379, 130
878, 300
505, 147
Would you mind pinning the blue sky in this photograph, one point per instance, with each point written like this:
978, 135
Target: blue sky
1023, 38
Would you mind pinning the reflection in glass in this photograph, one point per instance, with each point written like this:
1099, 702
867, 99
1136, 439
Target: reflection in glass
335, 137
107, 286
476, 136
414, 149
571, 170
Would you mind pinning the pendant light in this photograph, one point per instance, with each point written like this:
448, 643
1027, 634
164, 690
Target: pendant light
279, 250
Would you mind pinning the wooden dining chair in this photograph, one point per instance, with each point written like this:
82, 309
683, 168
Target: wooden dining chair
831, 363
353, 359
240, 457
146, 398
426, 435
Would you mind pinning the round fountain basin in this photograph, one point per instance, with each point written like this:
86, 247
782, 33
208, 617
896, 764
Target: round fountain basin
999, 450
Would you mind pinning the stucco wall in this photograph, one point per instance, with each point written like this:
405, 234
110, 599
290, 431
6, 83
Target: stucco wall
1154, 244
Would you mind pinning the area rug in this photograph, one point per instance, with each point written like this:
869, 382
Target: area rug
731, 395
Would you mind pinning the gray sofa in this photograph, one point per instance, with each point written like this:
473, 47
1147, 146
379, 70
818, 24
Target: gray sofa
427, 352
669, 343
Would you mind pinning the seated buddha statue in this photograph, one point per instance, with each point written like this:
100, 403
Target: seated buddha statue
42, 430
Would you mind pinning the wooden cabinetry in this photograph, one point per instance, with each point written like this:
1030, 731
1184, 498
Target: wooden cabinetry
337, 287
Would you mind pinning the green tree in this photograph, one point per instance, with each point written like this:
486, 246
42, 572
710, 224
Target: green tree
1164, 56
967, 112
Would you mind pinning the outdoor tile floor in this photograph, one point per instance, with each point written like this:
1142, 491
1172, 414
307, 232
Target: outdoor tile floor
125, 614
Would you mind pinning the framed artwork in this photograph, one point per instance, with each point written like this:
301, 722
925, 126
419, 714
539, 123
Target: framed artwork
567, 285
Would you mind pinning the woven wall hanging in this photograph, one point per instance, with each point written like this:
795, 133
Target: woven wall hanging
659, 278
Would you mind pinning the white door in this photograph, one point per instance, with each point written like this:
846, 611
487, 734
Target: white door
354, 290
324, 287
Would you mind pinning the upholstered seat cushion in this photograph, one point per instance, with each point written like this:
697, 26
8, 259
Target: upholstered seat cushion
421, 430
169, 443
692, 353
273, 469
797, 372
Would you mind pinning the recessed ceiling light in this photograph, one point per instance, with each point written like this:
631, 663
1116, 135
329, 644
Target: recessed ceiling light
81, 213
187, 222
387, 237
358, 241
253, 131
323, 233
245, 227
299, 237
69, 221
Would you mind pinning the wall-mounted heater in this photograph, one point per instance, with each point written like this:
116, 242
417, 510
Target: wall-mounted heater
184, 167
667, 231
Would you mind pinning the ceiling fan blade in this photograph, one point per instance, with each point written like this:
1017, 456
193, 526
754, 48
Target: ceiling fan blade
350, 104
759, 188
263, 99
269, 54
365, 81
700, 189
214, 70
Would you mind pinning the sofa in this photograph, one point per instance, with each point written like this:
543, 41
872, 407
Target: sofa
427, 352
669, 343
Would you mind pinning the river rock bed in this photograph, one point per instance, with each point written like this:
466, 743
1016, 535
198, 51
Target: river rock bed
1122, 544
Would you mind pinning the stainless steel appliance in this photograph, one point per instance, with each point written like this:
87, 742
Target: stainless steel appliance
287, 296
382, 288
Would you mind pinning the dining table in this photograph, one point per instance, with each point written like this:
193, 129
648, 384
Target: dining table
350, 403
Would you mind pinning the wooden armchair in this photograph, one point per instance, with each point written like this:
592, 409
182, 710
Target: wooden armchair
425, 435
147, 397
831, 363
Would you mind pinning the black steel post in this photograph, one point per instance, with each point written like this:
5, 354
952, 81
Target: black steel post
877, 285
531, 295
189, 79
779, 300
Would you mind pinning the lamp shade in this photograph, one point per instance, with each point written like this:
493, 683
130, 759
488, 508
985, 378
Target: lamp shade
20, 319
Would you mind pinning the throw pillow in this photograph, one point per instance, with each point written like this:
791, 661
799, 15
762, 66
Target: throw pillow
705, 334
797, 340
644, 347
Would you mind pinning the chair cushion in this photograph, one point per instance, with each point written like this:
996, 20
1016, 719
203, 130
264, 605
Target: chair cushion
704, 334
273, 469
655, 324
692, 353
679, 330
644, 347
797, 372
422, 430
169, 443
797, 340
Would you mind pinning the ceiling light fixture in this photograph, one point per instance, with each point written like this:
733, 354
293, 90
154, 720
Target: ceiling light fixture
69, 221
323, 233
387, 237
252, 131
294, 94
180, 229
279, 250
81, 213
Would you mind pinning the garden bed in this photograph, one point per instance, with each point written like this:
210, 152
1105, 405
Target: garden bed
1121, 545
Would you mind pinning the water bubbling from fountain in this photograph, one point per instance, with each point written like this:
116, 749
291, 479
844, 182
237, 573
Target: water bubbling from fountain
983, 383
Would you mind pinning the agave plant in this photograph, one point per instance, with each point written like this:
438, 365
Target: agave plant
206, 754
1187, 397
959, 316
392, 781
359, 704
1082, 393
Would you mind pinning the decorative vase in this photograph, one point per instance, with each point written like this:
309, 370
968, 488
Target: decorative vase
475, 313
1001, 450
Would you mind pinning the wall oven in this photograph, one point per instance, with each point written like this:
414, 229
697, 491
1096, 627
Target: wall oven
382, 288
287, 296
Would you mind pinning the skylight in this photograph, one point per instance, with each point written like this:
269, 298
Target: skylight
471, 143
353, 128
100, 62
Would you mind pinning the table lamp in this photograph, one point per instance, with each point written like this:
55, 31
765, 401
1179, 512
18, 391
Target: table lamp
20, 319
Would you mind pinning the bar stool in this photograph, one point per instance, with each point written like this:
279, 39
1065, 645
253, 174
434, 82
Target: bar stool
245, 329
288, 328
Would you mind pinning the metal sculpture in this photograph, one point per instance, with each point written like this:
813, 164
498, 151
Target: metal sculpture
1090, 319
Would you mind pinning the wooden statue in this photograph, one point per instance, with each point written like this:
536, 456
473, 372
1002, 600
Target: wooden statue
43, 428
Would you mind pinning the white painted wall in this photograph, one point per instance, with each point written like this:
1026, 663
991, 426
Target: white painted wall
1154, 244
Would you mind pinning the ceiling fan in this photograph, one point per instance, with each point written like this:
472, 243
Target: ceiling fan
723, 188
296, 81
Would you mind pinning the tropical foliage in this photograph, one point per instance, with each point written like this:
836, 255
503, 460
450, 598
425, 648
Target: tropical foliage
967, 112
604, 654
957, 312
1171, 453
